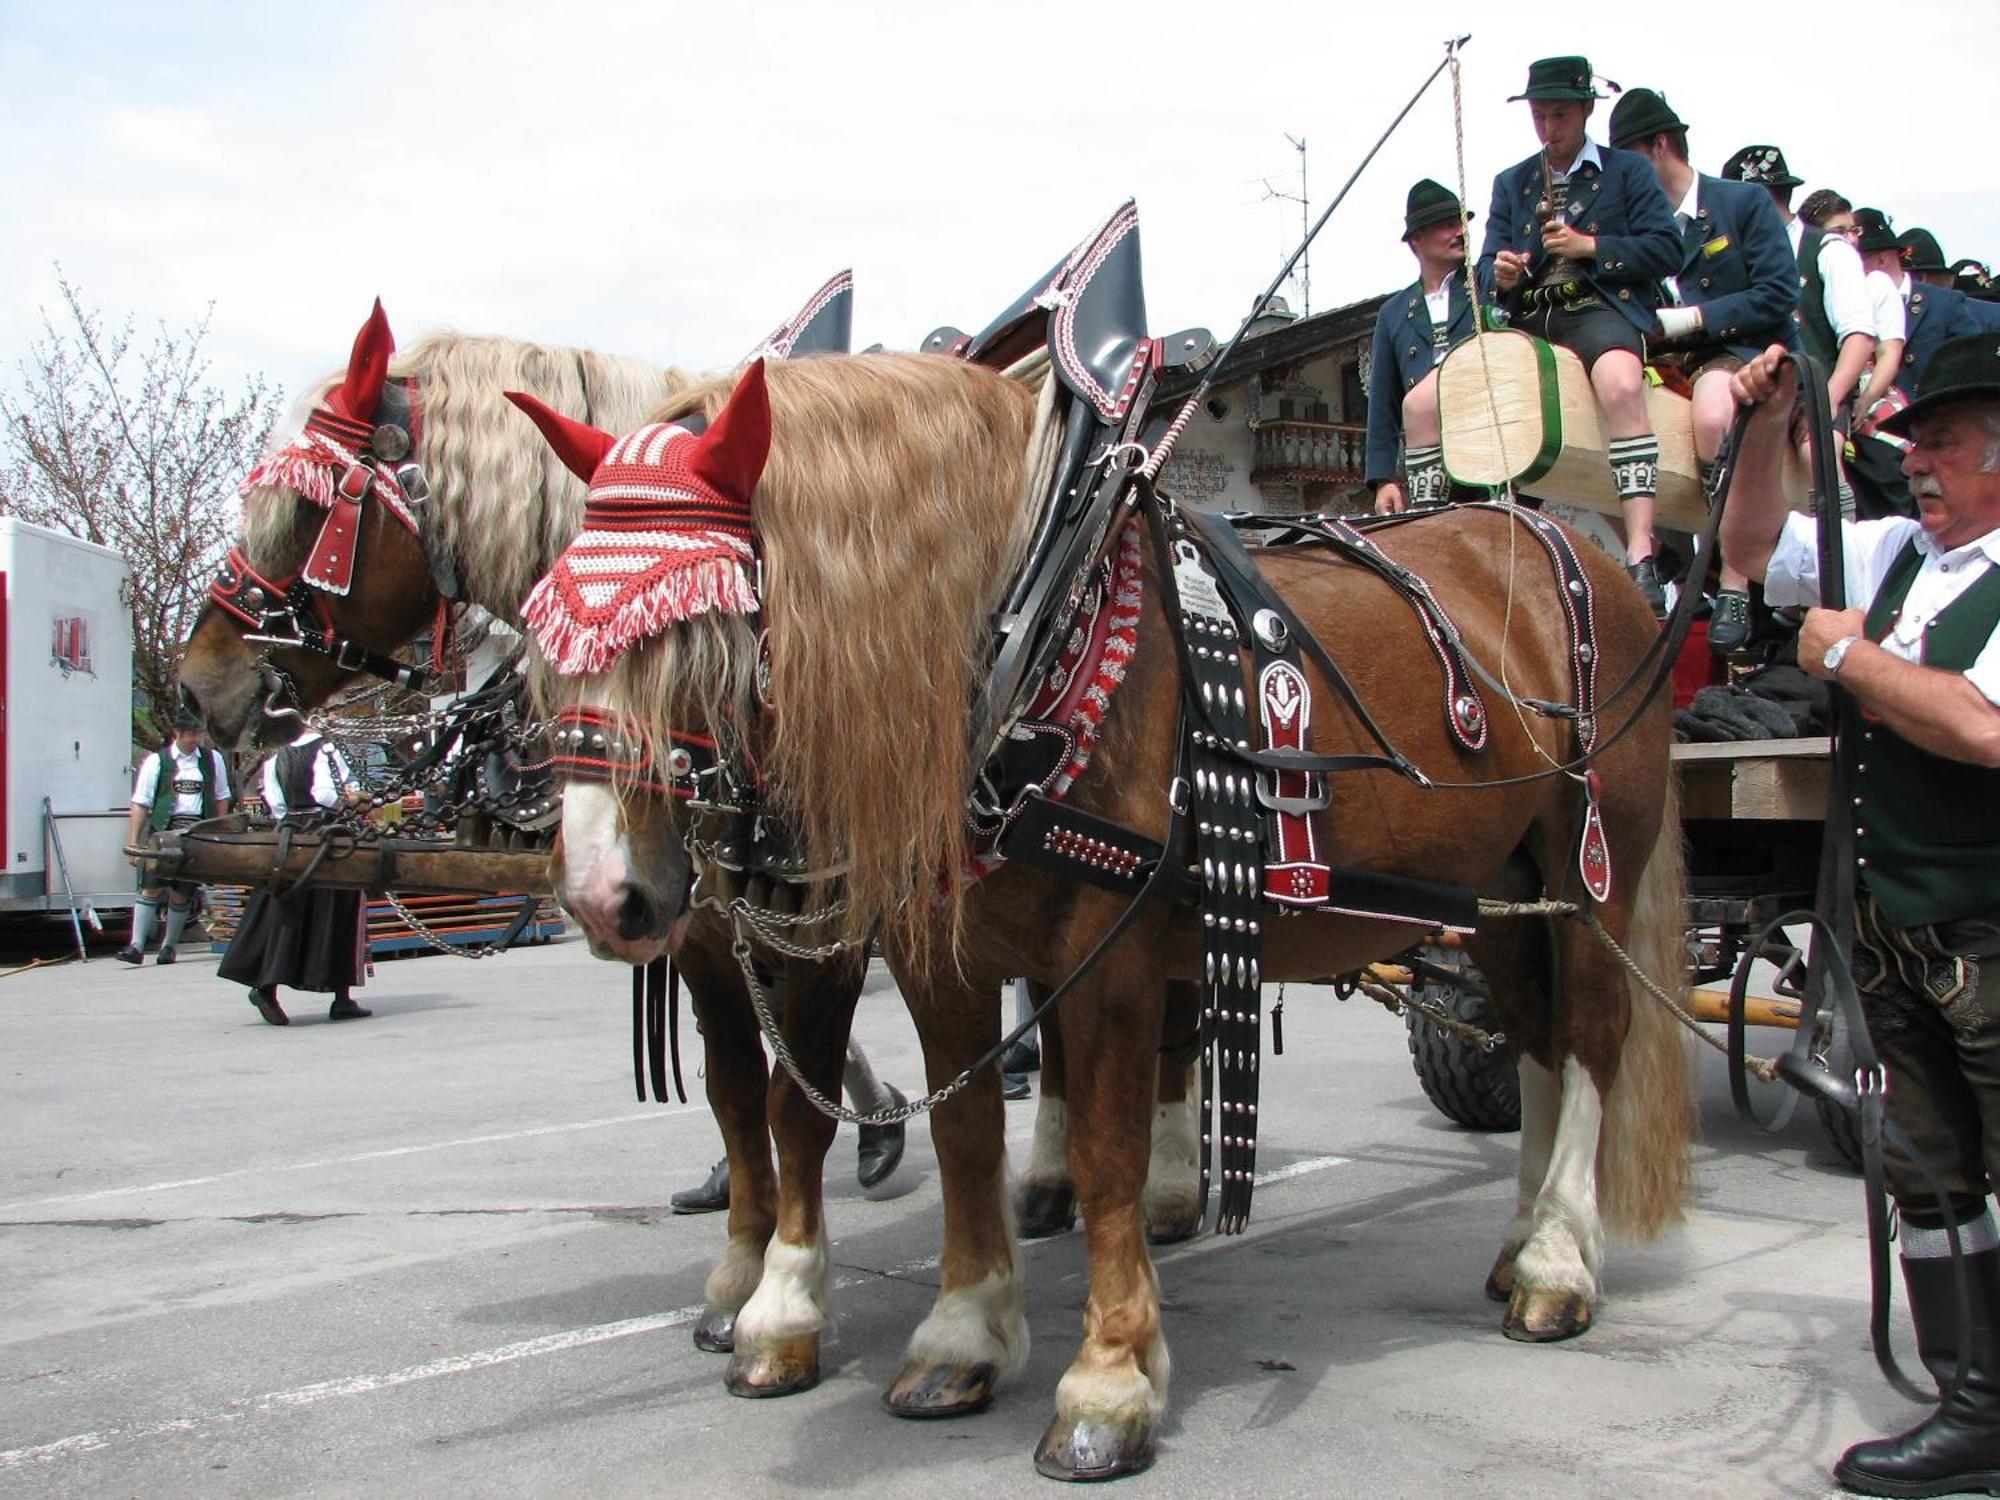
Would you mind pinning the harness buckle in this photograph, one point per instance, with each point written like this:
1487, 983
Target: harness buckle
355, 481
349, 656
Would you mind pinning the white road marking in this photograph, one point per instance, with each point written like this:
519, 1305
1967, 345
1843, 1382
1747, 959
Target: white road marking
337, 1161
78, 1444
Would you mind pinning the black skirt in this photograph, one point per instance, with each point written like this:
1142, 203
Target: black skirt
305, 940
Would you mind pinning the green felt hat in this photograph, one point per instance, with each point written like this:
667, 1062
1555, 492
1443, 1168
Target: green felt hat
1641, 114
1429, 203
1558, 78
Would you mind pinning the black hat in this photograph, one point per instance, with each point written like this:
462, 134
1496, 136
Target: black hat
1558, 78
1429, 203
186, 718
1641, 114
1877, 233
1974, 279
1921, 251
1763, 165
1962, 369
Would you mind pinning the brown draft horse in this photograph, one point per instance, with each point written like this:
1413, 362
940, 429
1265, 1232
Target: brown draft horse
892, 508
501, 508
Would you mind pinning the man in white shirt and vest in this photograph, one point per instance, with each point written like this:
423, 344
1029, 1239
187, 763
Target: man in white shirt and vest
179, 784
1918, 652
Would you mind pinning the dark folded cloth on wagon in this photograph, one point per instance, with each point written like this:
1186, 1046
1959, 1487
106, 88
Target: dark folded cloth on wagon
1778, 702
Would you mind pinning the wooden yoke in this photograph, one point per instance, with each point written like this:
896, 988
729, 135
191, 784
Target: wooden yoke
1548, 441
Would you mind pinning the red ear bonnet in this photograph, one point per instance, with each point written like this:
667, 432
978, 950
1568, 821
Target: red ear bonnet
367, 368
580, 446
667, 534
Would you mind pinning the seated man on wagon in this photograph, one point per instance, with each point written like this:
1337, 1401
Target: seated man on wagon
1734, 292
1414, 331
1577, 239
1920, 653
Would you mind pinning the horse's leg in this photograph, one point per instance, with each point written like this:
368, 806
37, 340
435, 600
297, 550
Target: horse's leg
1173, 1202
1609, 1032
976, 1333
1044, 1201
778, 1332
1110, 1400
737, 1083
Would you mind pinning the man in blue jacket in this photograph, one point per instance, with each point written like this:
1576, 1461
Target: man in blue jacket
1413, 332
1577, 240
1938, 311
1734, 292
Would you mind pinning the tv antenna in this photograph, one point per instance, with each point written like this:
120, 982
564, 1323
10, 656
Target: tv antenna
1304, 201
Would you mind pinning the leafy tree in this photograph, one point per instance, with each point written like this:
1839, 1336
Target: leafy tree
134, 448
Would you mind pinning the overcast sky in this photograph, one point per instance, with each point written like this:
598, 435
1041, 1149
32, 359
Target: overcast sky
670, 179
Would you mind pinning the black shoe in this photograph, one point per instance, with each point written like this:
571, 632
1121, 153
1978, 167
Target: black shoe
267, 1005
1956, 1448
881, 1146
129, 955
344, 1009
1646, 573
710, 1197
1729, 624
1014, 1085
1025, 1056
167, 956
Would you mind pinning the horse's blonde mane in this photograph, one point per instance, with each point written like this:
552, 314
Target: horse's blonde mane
891, 515
501, 502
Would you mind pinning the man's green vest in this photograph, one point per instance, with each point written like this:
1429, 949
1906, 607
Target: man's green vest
1815, 327
163, 786
1927, 829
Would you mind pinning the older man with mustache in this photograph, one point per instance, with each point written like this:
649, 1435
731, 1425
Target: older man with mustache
1920, 656
1413, 332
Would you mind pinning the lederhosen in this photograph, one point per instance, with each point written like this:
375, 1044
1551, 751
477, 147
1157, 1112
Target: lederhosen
168, 788
1927, 836
306, 939
1559, 305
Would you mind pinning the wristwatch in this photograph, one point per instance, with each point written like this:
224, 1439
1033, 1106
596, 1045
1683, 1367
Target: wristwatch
1836, 654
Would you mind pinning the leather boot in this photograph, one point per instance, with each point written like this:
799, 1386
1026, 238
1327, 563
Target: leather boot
266, 1001
881, 1146
1957, 1447
1646, 573
344, 1009
711, 1197
1729, 625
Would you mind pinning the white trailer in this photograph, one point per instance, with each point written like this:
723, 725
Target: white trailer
65, 720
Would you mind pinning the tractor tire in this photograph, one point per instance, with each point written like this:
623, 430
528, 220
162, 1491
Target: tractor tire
1479, 1090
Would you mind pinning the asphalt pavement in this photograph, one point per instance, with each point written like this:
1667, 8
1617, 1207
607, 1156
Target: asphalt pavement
429, 1253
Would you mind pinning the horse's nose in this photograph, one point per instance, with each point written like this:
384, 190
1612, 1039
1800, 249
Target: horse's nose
639, 915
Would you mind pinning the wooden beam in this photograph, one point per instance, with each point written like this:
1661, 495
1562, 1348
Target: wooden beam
400, 865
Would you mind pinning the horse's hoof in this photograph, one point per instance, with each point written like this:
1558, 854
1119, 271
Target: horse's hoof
1170, 1224
1085, 1448
1546, 1317
716, 1332
924, 1392
1042, 1211
1500, 1280
783, 1368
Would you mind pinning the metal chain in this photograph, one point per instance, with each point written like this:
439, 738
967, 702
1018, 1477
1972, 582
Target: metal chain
831, 1108
429, 935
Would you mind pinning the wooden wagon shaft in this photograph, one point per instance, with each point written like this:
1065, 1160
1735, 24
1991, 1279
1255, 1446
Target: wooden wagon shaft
401, 865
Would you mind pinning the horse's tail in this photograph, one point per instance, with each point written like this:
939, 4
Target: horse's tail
1644, 1164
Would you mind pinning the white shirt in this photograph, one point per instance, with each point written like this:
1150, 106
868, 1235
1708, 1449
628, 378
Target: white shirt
1844, 282
1588, 153
1438, 305
1868, 548
1685, 213
187, 779
330, 776
1886, 308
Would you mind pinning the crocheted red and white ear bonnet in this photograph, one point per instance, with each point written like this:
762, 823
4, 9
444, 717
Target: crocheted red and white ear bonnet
667, 530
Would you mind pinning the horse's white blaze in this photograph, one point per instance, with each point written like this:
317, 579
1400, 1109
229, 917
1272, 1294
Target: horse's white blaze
1541, 1097
596, 860
791, 1300
1048, 1157
736, 1275
982, 1324
1173, 1174
1567, 1243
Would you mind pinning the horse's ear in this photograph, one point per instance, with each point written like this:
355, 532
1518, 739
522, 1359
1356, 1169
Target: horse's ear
731, 454
580, 446
367, 368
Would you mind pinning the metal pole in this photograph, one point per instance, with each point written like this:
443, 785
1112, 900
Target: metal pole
62, 868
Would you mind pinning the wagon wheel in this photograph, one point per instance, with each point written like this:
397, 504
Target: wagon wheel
1479, 1090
